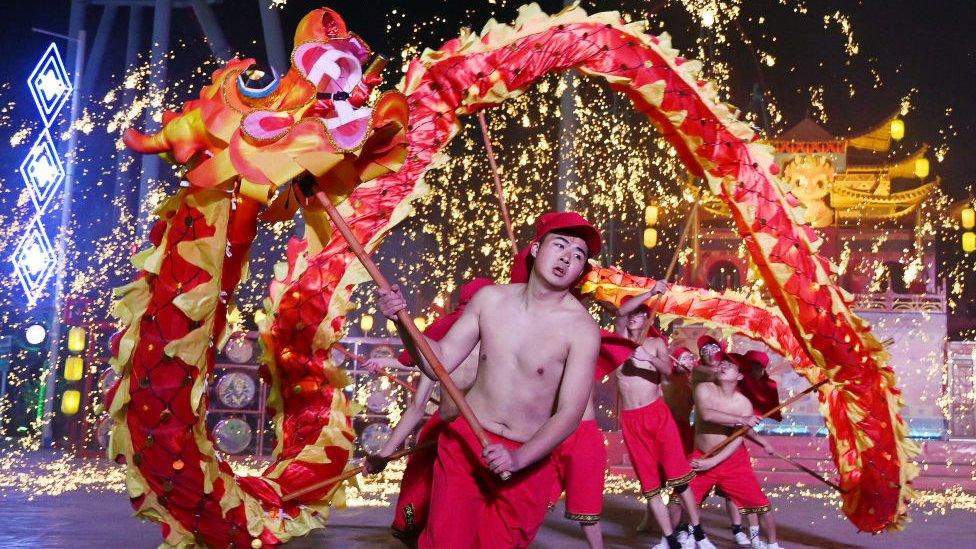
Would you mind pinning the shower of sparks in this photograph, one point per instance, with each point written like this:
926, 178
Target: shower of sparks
602, 159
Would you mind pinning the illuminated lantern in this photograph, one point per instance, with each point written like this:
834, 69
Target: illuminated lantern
968, 217
650, 237
650, 215
897, 129
35, 334
366, 323
969, 242
69, 402
922, 167
74, 367
76, 339
421, 323
390, 326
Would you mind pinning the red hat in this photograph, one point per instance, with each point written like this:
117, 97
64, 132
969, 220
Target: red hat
440, 326
707, 339
680, 351
758, 357
556, 221
761, 390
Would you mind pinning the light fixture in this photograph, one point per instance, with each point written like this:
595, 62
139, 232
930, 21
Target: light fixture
968, 217
35, 334
897, 129
70, 401
921, 167
366, 323
76, 339
390, 326
650, 215
650, 237
74, 367
969, 242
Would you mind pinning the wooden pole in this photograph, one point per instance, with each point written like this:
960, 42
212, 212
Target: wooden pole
499, 192
406, 321
808, 470
745, 428
348, 474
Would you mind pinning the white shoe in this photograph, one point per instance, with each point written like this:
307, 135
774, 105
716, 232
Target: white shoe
686, 540
741, 539
705, 543
758, 543
663, 544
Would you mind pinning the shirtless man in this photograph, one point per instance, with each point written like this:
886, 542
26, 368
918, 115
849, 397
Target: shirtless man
710, 349
720, 408
413, 503
539, 349
649, 431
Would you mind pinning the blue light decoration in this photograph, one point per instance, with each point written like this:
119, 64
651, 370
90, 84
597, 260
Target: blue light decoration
43, 173
34, 261
49, 85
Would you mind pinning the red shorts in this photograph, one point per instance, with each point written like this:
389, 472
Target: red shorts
472, 507
736, 479
413, 503
654, 445
581, 465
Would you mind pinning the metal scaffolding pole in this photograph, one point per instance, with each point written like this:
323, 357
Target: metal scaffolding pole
157, 87
212, 31
123, 180
273, 42
99, 45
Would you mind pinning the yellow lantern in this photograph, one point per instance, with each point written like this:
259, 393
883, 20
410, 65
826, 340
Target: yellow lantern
390, 326
921, 167
421, 323
897, 129
650, 215
366, 323
76, 339
968, 217
70, 401
969, 242
74, 367
650, 237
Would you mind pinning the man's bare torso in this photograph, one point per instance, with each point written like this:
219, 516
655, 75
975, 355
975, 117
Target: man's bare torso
640, 387
708, 434
522, 357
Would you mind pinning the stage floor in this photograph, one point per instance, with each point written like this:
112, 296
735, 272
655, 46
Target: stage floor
807, 518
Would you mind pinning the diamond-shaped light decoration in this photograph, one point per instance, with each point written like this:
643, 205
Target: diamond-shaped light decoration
49, 84
42, 171
34, 260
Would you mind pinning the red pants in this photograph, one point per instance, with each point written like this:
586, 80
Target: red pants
472, 507
413, 503
735, 477
653, 442
581, 465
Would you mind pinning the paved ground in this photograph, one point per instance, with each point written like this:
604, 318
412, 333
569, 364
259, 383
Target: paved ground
807, 519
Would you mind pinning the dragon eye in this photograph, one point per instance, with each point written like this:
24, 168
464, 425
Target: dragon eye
257, 83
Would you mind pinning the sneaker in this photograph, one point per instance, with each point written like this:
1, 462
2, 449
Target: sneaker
758, 543
686, 540
663, 544
742, 539
705, 543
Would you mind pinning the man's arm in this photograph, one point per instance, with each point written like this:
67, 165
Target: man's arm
454, 346
706, 410
761, 441
574, 393
408, 422
632, 304
702, 464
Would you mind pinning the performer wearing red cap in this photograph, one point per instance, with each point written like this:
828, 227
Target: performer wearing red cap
539, 348
720, 406
413, 503
649, 431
